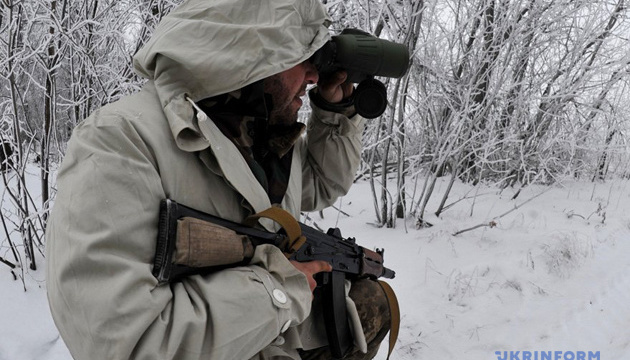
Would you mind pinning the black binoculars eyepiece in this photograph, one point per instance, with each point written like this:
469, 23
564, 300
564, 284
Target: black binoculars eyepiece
363, 56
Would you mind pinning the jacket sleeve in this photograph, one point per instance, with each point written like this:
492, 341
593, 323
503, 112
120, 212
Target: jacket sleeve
331, 157
100, 246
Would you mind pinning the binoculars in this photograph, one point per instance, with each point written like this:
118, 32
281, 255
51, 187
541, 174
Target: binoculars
363, 56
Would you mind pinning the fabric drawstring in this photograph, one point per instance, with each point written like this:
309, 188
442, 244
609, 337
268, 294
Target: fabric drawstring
201, 116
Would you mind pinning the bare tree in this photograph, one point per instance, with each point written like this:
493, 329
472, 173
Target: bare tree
59, 61
484, 63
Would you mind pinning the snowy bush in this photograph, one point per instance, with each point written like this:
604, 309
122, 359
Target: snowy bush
566, 252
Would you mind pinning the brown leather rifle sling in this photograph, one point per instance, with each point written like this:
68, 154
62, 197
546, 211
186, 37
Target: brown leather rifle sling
394, 311
294, 239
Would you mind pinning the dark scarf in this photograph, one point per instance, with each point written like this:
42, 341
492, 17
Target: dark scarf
242, 117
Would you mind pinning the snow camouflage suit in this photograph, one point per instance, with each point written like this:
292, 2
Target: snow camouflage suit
129, 155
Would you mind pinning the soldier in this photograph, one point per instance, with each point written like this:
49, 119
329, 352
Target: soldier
215, 128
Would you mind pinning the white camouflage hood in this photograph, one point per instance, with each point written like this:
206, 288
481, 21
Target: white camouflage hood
210, 47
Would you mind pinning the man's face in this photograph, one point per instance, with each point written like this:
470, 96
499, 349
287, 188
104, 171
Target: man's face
286, 90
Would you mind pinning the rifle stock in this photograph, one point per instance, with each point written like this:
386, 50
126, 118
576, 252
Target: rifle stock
165, 269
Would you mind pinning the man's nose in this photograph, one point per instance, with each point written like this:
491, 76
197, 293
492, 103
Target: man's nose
311, 75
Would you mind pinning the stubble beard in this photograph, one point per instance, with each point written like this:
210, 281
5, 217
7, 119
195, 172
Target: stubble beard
283, 111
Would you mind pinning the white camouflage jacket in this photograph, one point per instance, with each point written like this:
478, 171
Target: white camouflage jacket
128, 156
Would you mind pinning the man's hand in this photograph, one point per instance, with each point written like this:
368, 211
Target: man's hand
310, 268
334, 88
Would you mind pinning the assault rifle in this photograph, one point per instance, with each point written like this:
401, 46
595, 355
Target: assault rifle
348, 260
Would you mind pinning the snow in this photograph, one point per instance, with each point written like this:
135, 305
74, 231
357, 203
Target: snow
552, 275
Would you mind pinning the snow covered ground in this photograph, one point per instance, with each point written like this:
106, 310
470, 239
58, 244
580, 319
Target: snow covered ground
553, 275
